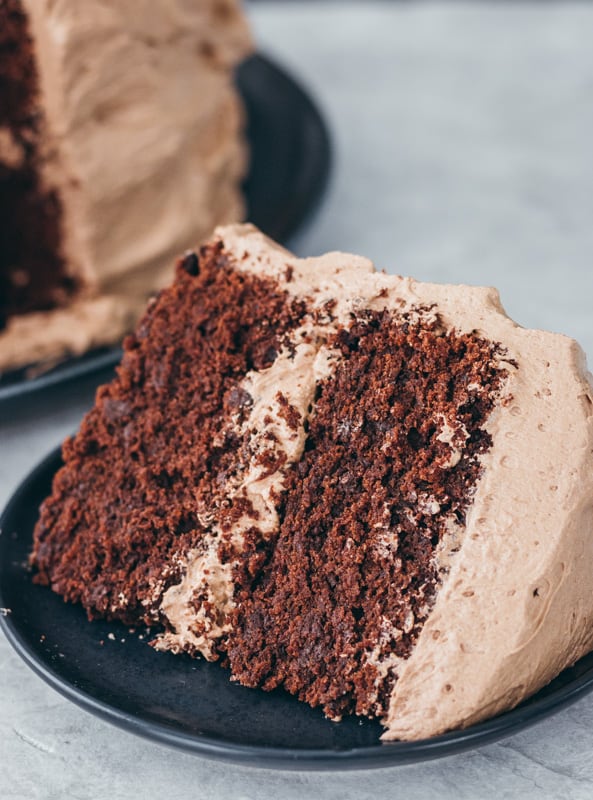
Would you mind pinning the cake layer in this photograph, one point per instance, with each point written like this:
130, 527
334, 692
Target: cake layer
373, 492
392, 458
33, 274
152, 458
140, 148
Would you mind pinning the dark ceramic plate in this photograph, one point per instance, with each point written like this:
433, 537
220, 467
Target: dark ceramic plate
289, 168
190, 703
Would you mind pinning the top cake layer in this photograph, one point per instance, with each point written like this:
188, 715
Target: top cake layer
139, 139
318, 473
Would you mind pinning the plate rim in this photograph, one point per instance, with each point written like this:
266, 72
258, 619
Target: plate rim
106, 357
382, 755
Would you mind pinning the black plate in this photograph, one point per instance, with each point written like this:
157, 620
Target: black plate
289, 168
191, 704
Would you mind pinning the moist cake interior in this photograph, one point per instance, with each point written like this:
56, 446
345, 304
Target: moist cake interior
32, 272
341, 598
318, 574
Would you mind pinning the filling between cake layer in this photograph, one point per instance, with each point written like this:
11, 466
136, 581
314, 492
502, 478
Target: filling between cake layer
276, 485
33, 275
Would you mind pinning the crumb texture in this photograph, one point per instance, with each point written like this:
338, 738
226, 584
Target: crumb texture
352, 575
150, 459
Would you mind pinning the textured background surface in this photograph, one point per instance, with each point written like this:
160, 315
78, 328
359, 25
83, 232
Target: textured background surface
463, 153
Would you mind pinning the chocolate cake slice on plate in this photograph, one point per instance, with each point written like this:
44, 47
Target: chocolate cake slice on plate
373, 492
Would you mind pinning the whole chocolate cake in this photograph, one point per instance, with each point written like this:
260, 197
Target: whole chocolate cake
121, 144
373, 492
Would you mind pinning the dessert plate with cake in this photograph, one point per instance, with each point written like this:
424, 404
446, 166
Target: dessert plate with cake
124, 138
322, 516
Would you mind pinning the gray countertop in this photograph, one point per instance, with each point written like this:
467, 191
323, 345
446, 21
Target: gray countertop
463, 149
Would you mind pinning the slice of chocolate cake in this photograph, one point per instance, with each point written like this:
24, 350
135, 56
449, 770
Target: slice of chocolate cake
111, 115
373, 492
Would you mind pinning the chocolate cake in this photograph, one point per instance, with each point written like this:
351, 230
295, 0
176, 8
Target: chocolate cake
120, 145
373, 492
